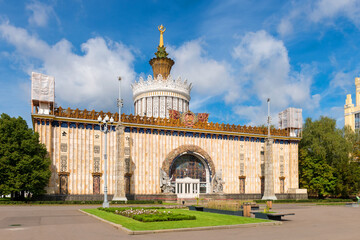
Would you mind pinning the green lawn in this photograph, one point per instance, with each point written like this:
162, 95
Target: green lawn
203, 219
330, 204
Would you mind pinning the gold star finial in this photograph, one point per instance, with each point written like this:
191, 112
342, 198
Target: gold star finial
162, 29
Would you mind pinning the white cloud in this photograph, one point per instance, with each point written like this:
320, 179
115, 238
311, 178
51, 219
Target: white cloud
208, 76
285, 27
324, 9
343, 80
262, 70
39, 13
266, 67
88, 80
320, 11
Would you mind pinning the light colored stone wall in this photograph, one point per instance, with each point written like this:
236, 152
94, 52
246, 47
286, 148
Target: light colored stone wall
80, 155
148, 149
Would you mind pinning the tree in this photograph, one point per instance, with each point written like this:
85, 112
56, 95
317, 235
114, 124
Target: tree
316, 175
24, 164
325, 159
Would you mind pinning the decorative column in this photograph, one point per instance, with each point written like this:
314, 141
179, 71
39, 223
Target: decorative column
119, 194
269, 193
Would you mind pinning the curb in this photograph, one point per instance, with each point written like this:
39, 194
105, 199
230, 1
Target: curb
130, 232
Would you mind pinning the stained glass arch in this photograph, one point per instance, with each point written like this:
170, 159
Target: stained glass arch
188, 149
188, 166
193, 167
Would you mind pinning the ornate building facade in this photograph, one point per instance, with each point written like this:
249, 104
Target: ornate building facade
351, 111
163, 151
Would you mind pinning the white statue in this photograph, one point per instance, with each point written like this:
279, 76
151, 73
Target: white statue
217, 183
165, 183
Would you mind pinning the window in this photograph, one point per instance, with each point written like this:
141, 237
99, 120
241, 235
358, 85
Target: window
96, 184
242, 185
262, 185
282, 185
262, 163
188, 166
127, 184
63, 184
357, 120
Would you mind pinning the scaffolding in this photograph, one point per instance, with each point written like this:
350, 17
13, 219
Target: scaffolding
42, 93
291, 120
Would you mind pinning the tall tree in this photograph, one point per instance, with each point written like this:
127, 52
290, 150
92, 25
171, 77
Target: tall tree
24, 165
325, 159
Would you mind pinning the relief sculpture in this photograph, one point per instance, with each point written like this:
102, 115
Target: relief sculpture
165, 183
217, 183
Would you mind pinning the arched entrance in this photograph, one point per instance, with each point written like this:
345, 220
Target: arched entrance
190, 170
193, 171
188, 149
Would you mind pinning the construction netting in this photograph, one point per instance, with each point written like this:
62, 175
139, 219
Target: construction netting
42, 87
291, 118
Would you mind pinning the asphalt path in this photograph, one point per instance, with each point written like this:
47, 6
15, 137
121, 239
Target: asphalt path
66, 222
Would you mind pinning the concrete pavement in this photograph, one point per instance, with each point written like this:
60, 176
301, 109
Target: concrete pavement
66, 222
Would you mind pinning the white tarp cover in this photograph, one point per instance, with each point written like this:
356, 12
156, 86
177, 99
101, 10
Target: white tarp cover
291, 118
42, 87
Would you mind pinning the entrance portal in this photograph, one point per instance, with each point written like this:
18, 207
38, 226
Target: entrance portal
190, 175
187, 187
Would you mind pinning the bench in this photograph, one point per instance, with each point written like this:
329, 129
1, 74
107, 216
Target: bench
254, 206
277, 216
271, 216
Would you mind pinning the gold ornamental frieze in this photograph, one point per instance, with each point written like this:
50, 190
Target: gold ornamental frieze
166, 122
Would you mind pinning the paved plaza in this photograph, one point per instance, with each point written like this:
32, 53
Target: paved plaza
66, 222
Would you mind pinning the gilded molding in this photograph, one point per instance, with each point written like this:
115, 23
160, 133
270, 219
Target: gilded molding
92, 116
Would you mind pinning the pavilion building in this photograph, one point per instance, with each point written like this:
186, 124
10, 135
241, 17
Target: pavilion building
164, 151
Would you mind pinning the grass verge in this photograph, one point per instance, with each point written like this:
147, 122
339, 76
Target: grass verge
331, 204
330, 200
203, 219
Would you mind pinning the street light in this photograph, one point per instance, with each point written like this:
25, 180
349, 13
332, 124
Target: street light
120, 101
104, 128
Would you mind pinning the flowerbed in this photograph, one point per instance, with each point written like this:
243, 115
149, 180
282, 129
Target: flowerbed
150, 215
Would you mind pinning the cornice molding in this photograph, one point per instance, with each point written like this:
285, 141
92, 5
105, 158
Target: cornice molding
90, 117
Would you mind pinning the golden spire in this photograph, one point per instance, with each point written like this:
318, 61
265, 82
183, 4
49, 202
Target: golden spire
161, 64
161, 30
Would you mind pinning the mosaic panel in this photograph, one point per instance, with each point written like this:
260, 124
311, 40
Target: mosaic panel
188, 166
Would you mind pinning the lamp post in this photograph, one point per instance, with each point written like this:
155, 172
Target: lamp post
120, 101
104, 128
269, 117
269, 193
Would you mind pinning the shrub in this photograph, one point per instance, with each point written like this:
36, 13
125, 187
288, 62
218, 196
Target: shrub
138, 202
114, 209
150, 214
163, 217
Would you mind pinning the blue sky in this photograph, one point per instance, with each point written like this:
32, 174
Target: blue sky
236, 53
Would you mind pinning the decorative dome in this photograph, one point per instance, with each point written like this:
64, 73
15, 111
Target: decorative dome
161, 93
